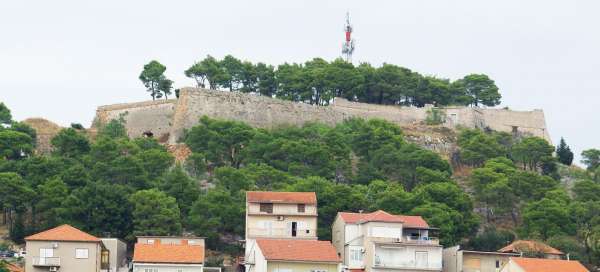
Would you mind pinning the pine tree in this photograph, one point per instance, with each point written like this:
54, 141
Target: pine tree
564, 153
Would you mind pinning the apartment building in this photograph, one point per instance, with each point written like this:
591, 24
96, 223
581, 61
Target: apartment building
458, 260
380, 241
288, 255
280, 215
168, 254
65, 248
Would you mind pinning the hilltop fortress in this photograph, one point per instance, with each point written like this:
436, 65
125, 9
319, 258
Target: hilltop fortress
167, 119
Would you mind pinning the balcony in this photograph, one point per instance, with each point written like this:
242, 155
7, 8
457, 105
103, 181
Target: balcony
433, 241
408, 265
46, 261
281, 233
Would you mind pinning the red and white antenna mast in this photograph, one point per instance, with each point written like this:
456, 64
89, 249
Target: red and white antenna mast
348, 46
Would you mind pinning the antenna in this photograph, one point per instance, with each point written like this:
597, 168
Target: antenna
348, 46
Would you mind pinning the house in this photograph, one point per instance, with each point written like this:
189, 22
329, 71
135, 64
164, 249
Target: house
280, 215
518, 264
14, 268
65, 248
288, 255
380, 241
532, 249
168, 254
118, 254
458, 260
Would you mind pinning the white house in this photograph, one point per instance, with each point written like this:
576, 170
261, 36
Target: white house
168, 254
380, 241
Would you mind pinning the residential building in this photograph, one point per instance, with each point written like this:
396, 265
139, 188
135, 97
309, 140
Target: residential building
280, 215
65, 248
289, 255
533, 249
380, 241
168, 254
458, 260
518, 264
118, 255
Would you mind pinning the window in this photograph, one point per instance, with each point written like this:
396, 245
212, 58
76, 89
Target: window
301, 208
81, 253
497, 264
356, 255
150, 269
318, 270
151, 241
266, 207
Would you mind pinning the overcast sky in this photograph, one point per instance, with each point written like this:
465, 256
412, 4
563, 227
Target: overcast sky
61, 59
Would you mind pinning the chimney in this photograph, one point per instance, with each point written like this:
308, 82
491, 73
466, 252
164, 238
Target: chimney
568, 256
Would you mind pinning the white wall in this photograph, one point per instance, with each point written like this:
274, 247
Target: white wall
139, 267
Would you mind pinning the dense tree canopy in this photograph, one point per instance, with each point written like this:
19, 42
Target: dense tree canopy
318, 81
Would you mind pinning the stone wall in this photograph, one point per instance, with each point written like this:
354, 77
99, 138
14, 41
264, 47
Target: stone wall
141, 117
169, 118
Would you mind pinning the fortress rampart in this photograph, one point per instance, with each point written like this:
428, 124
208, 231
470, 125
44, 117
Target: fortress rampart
167, 119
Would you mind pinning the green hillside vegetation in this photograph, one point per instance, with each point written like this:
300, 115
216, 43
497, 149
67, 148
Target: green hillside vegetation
127, 187
318, 81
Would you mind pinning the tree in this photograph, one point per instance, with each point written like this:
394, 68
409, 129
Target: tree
530, 152
15, 196
221, 141
155, 81
491, 239
49, 207
546, 218
232, 77
476, 147
155, 161
154, 213
100, 208
591, 158
482, 89
216, 213
70, 143
199, 72
177, 184
564, 153
266, 81
115, 128
5, 116
15, 145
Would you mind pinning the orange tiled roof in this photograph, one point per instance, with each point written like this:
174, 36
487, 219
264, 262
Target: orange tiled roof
168, 253
548, 265
409, 221
63, 233
530, 246
298, 250
14, 268
281, 197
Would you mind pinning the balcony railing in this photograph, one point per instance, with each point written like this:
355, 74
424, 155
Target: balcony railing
46, 261
407, 239
405, 265
281, 232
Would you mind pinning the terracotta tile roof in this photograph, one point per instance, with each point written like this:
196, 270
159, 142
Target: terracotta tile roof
282, 197
63, 233
410, 221
298, 250
14, 268
548, 265
530, 246
168, 253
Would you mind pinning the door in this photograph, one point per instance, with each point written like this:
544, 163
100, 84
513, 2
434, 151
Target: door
294, 229
421, 259
45, 253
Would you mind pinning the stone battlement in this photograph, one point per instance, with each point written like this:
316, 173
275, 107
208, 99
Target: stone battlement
167, 119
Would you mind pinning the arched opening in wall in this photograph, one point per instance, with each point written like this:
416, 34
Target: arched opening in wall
148, 134
515, 130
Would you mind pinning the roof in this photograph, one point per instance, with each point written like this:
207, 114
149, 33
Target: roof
410, 221
168, 253
490, 253
281, 197
548, 265
63, 233
298, 250
530, 246
14, 268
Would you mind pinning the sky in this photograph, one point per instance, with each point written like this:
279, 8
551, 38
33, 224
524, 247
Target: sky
62, 59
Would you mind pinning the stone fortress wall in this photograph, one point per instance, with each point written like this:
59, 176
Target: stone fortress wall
167, 119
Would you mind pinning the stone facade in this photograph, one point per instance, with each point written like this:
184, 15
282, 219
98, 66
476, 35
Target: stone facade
167, 119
